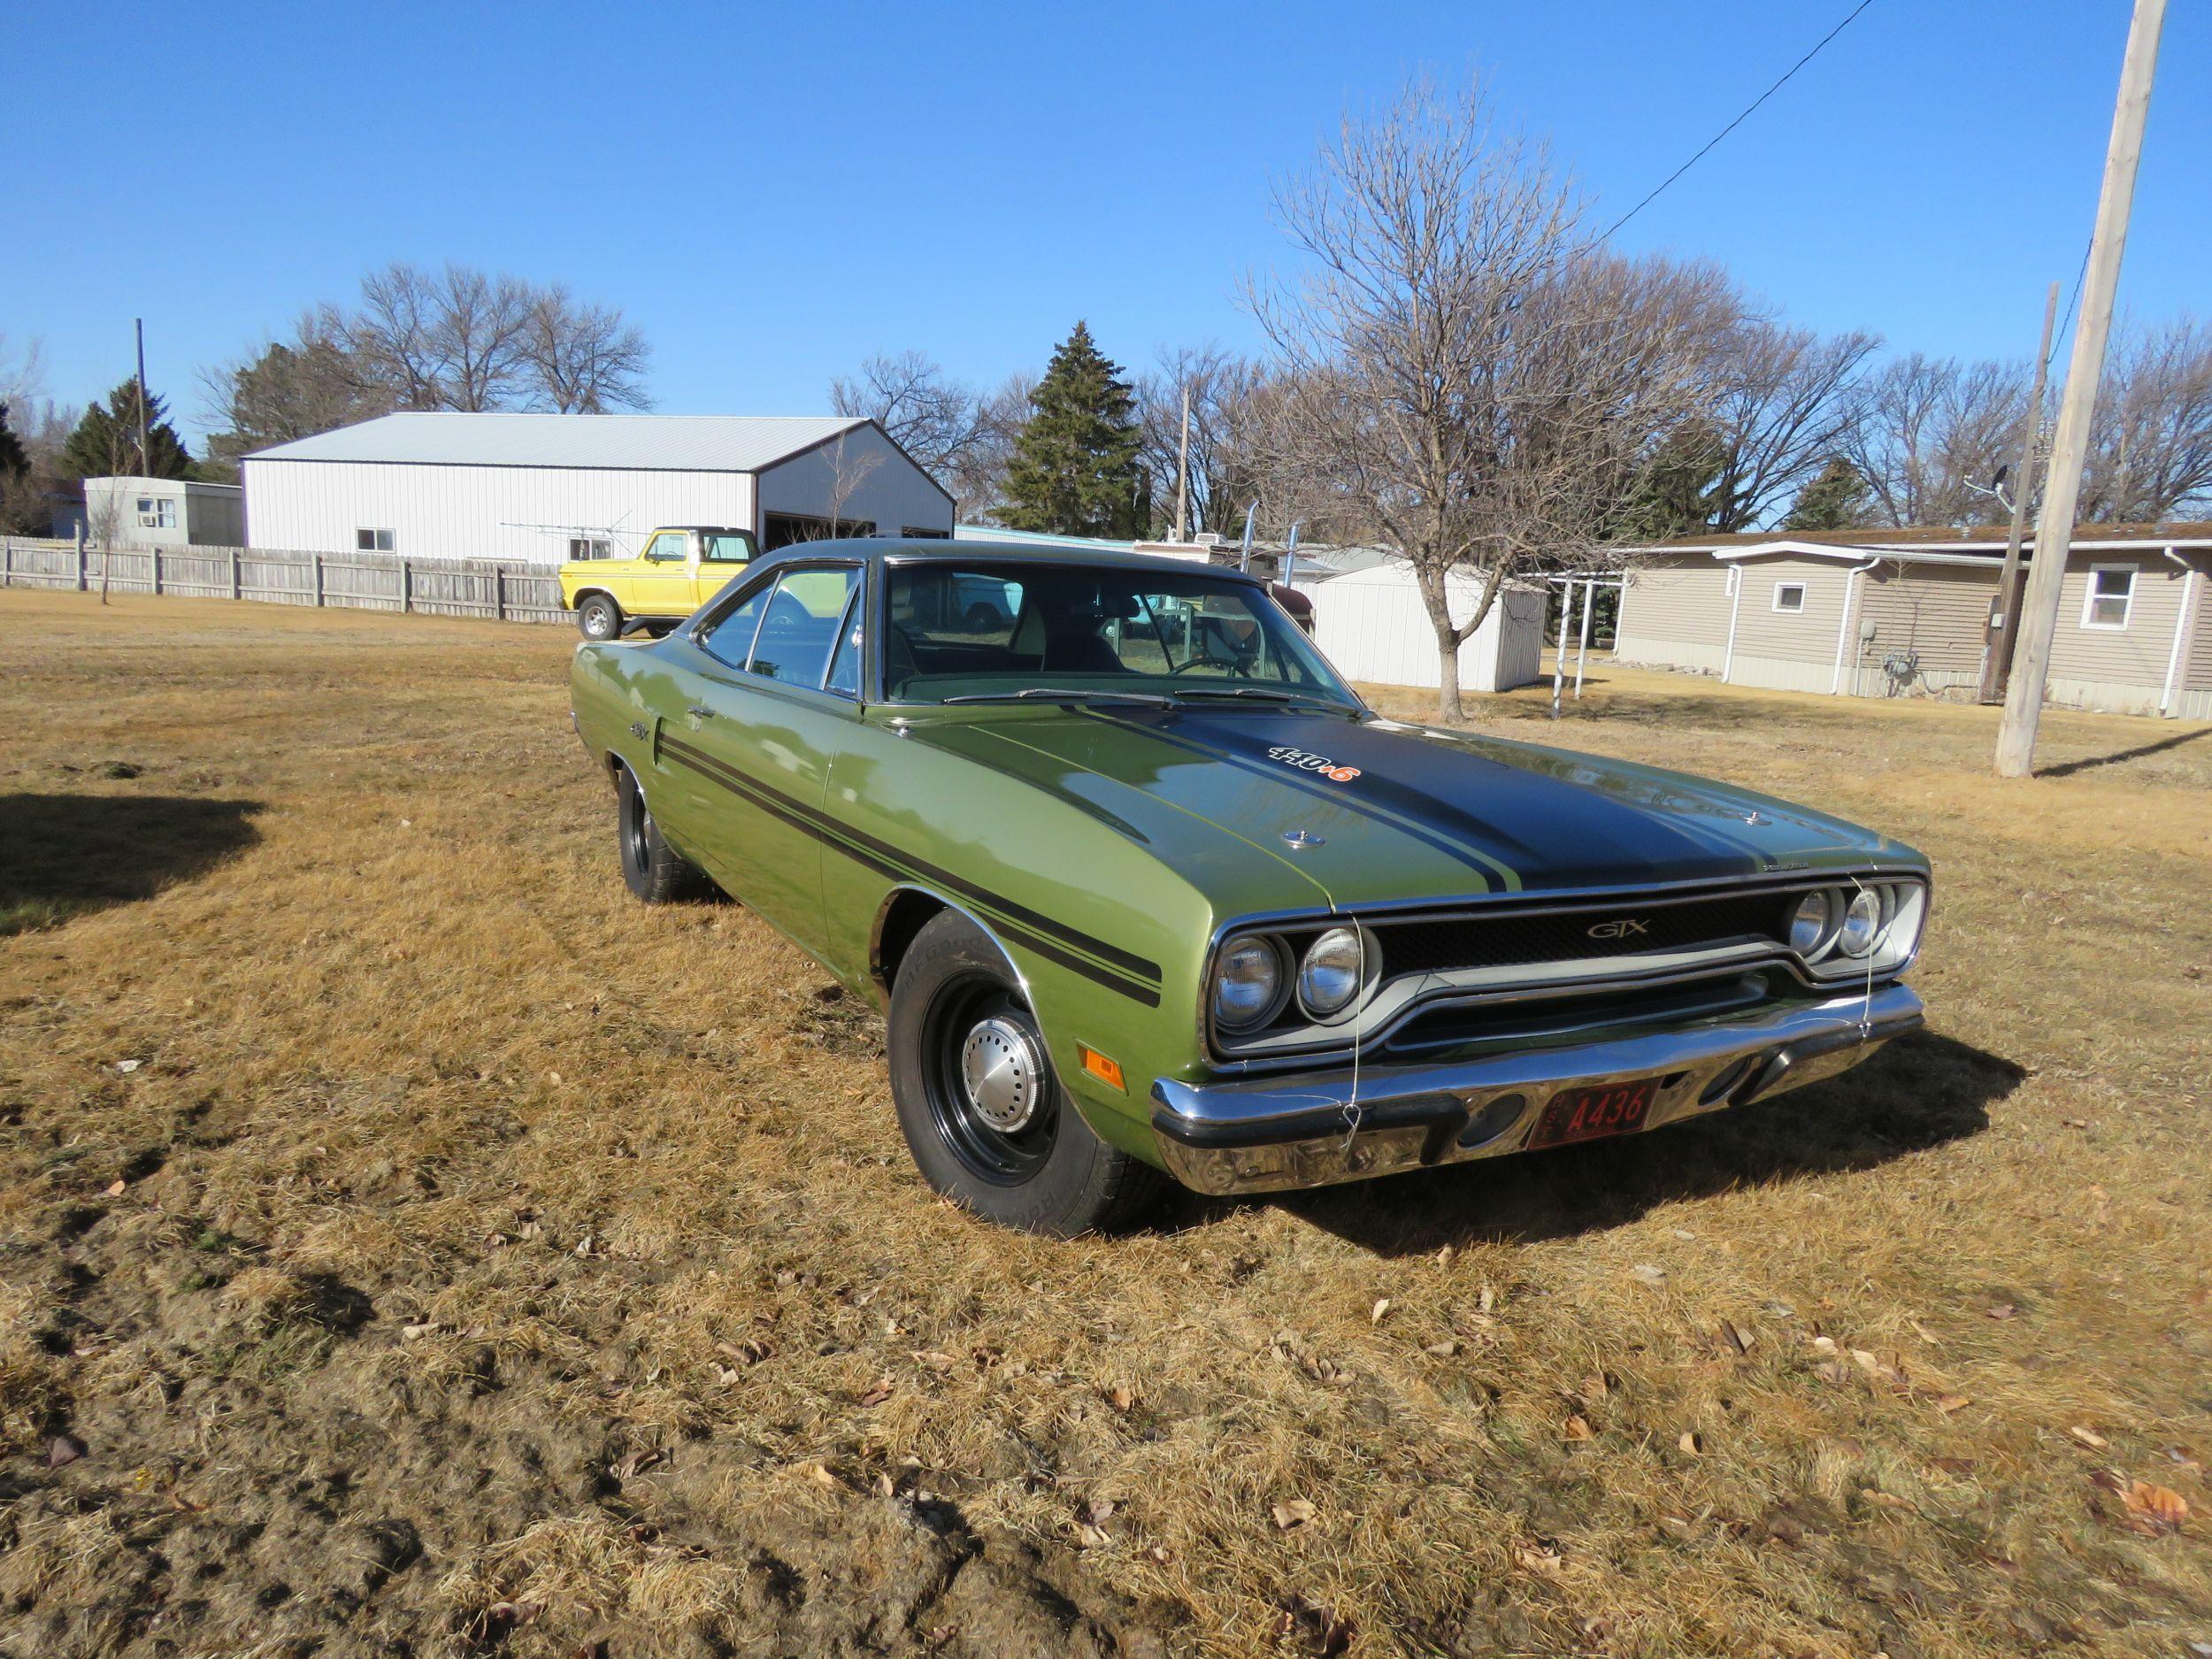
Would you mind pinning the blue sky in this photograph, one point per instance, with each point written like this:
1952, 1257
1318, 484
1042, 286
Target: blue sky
774, 192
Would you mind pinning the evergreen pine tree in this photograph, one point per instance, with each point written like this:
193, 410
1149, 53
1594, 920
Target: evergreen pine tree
14, 461
1074, 468
106, 441
1834, 500
1681, 491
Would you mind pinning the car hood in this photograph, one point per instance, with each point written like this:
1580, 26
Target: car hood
1374, 810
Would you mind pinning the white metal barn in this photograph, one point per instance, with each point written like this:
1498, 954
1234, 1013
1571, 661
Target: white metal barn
1371, 624
540, 489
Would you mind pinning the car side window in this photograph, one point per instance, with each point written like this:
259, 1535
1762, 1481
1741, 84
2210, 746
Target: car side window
844, 674
800, 627
729, 637
666, 546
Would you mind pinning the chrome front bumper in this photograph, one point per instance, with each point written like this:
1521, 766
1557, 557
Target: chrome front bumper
1269, 1134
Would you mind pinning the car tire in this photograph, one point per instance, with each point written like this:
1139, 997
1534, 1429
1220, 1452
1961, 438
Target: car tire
598, 617
1049, 1173
652, 870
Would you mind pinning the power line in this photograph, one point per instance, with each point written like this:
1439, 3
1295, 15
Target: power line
1738, 122
2067, 321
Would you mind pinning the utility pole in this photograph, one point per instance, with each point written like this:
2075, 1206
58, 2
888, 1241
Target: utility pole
2002, 627
145, 462
1182, 467
2069, 446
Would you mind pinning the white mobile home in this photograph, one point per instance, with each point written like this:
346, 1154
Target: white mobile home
164, 512
540, 488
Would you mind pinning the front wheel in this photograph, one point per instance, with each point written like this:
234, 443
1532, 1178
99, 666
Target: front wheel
598, 617
982, 1112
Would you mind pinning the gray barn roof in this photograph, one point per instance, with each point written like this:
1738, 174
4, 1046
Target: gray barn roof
677, 443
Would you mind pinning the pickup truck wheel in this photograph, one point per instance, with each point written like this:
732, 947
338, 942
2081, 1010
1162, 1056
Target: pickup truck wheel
982, 1112
598, 617
651, 869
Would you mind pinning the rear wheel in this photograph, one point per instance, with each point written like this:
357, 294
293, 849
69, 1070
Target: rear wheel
651, 869
598, 617
982, 1112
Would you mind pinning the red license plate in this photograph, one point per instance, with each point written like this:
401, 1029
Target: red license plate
1591, 1114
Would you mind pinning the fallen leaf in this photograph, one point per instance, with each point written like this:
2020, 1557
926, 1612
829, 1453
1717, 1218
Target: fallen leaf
633, 1461
1119, 1397
1736, 1336
1090, 1537
128, 1066
1544, 1563
1381, 1308
820, 1476
885, 1485
1692, 1443
1294, 1512
1102, 1510
1444, 1350
118, 1188
1824, 1345
1444, 1257
63, 1449
1593, 1387
1577, 1428
1887, 1500
1948, 1403
2154, 1509
875, 1396
2001, 1310
2089, 1437
1483, 1302
934, 1358
1924, 1334
1162, 1554
1648, 1274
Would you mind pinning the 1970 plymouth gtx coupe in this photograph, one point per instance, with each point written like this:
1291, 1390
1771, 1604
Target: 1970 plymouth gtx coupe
1143, 886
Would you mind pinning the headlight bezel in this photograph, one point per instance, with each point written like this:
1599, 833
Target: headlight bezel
1901, 911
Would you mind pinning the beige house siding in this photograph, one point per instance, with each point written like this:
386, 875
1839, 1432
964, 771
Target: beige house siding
2198, 677
1674, 614
1790, 650
2121, 669
1936, 612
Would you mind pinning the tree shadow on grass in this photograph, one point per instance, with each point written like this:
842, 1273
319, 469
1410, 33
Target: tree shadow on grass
64, 854
1919, 1092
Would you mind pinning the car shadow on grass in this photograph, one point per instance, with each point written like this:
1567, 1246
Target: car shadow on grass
1919, 1092
64, 854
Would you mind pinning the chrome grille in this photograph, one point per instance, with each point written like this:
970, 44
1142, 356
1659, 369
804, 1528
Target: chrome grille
1621, 927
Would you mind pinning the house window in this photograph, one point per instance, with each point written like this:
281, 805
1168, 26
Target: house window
375, 540
589, 547
158, 512
2111, 596
1789, 596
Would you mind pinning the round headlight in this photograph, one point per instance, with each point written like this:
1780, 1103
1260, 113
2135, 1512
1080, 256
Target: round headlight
1812, 922
1331, 975
1247, 980
1861, 923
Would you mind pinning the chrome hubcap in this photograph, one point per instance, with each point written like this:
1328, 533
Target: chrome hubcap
1001, 1069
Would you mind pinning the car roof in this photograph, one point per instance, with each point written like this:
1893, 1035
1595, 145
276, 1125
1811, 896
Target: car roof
940, 550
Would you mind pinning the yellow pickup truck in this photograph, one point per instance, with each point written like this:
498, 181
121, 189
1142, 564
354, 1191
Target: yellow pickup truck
679, 569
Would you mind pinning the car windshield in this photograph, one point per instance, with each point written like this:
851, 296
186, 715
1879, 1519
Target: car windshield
973, 633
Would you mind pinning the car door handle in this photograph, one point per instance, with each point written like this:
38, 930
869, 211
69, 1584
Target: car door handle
698, 714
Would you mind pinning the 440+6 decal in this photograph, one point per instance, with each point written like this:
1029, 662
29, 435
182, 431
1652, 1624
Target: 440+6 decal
1320, 766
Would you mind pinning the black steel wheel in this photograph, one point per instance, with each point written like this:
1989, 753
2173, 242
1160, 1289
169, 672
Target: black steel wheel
651, 869
982, 1110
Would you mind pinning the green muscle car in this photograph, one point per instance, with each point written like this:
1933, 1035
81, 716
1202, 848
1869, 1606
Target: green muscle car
1143, 886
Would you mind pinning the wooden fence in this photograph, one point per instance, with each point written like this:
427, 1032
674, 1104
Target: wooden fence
361, 581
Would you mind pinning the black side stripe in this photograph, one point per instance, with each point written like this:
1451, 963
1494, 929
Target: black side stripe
890, 860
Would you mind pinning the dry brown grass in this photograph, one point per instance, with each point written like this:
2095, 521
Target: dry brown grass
497, 1266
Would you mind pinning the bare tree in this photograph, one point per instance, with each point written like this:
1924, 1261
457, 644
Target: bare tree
1786, 399
295, 387
1222, 474
394, 334
579, 358
931, 416
1464, 371
477, 331
2150, 456
1930, 431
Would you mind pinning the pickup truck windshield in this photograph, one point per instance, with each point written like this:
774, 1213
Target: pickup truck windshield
960, 632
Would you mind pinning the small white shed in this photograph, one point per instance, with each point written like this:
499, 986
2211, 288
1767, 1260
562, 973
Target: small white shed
1372, 625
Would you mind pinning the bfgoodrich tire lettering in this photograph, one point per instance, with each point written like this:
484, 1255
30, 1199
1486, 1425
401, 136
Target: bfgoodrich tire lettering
1052, 1175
